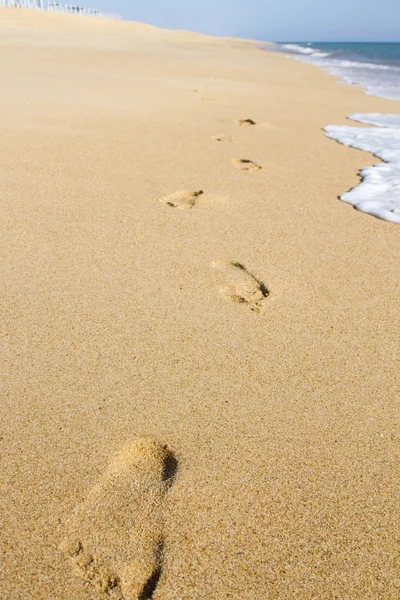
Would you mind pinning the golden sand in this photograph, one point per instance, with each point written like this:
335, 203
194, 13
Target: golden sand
200, 403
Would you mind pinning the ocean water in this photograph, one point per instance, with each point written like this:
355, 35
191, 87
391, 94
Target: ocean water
375, 67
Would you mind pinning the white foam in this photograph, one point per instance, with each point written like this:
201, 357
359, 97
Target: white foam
295, 49
375, 79
298, 49
350, 64
320, 54
379, 192
378, 119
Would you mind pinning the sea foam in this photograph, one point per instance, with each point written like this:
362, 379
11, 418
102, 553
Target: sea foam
295, 49
379, 192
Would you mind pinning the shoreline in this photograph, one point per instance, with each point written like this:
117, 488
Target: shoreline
376, 193
333, 66
245, 323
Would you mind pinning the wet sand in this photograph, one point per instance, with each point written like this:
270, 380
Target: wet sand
200, 347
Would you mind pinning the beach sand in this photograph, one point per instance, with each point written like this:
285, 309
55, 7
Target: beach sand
200, 345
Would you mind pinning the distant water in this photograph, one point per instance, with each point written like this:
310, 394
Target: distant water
376, 68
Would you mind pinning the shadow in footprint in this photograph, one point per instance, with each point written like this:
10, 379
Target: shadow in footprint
222, 138
183, 200
115, 538
151, 584
170, 467
241, 286
246, 122
245, 164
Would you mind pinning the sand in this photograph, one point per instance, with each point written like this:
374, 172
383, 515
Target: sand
200, 344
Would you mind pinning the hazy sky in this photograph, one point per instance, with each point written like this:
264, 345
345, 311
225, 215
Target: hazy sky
277, 20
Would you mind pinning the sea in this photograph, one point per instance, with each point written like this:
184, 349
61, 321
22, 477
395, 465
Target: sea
375, 67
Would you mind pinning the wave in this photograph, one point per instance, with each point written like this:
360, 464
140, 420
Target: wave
335, 60
351, 64
308, 51
379, 191
378, 119
375, 78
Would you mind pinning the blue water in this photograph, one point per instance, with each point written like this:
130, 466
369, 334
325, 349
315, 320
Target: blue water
384, 53
373, 66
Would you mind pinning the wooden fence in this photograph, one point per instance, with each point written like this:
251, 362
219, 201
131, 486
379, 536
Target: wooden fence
58, 7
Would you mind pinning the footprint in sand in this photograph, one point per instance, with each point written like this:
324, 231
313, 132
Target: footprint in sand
241, 286
115, 539
222, 138
183, 200
246, 122
246, 165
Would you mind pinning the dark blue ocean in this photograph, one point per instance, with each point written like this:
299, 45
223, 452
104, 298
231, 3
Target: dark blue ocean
373, 66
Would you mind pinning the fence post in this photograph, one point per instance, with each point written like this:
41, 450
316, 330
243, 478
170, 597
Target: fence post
53, 5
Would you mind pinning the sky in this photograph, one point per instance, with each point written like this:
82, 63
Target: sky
275, 20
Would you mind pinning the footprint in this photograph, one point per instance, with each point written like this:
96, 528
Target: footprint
246, 122
241, 286
222, 138
115, 539
183, 200
246, 165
